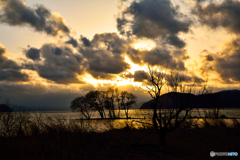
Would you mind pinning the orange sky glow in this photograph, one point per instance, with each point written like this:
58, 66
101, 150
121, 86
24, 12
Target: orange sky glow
71, 47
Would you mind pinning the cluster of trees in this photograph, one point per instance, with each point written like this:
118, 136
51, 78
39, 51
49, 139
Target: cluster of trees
180, 99
112, 100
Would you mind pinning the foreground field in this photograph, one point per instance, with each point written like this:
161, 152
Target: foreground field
72, 142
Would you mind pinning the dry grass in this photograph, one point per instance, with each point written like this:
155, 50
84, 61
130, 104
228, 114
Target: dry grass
60, 140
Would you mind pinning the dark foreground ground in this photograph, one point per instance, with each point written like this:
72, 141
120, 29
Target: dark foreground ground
183, 143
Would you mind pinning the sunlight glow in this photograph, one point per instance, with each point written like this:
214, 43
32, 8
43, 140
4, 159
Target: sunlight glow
134, 67
144, 45
118, 81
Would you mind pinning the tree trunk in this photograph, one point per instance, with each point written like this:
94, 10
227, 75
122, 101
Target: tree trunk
126, 113
162, 136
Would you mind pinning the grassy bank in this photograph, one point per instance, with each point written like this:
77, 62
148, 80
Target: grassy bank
26, 138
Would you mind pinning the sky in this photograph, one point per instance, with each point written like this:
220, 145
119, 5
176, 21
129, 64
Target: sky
52, 51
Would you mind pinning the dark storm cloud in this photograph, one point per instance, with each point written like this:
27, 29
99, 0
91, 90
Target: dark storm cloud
197, 79
134, 55
112, 42
60, 68
101, 75
10, 70
33, 53
138, 76
153, 19
103, 61
6, 63
2, 50
105, 55
73, 42
180, 54
60, 64
184, 78
12, 75
159, 56
226, 63
85, 41
209, 57
225, 14
175, 41
17, 13
57, 51
200, 1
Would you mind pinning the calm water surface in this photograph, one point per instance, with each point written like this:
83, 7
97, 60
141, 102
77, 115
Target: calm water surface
137, 113
103, 125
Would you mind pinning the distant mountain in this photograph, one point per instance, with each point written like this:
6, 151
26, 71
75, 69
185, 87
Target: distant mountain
222, 99
5, 108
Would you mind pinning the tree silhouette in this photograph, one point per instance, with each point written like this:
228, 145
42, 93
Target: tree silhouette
127, 101
178, 100
80, 104
98, 101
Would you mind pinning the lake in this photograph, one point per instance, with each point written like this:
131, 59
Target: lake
137, 114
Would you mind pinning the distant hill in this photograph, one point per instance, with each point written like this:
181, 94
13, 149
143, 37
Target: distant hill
5, 108
222, 99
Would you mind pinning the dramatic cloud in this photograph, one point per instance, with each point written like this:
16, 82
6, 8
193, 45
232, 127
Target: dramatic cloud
159, 56
209, 58
162, 57
105, 55
184, 78
73, 42
10, 70
17, 13
226, 63
139, 76
112, 42
103, 58
153, 19
85, 41
12, 75
215, 14
33, 53
60, 64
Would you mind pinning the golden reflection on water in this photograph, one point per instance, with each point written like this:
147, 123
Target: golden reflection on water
105, 125
140, 119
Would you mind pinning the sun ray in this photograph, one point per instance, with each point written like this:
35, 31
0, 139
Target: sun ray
119, 81
134, 67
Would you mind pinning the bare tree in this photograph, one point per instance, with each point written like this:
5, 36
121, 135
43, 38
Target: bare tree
110, 100
92, 101
210, 102
179, 105
127, 101
100, 101
96, 99
80, 104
